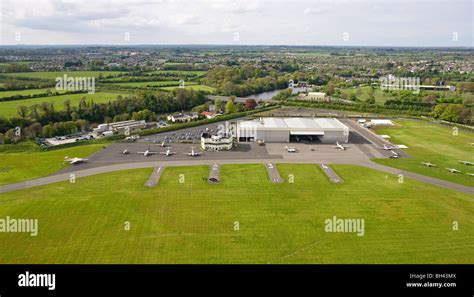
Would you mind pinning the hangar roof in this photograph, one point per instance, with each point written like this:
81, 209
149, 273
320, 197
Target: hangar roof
318, 124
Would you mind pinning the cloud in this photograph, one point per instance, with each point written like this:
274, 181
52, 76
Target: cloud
419, 22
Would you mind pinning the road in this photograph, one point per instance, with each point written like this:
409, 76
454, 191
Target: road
154, 164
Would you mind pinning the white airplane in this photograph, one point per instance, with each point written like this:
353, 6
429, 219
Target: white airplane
192, 153
168, 152
466, 163
340, 146
132, 138
394, 155
147, 152
290, 149
452, 170
387, 148
428, 164
74, 160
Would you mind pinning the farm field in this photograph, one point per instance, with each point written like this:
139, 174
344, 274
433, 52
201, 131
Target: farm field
152, 84
51, 75
194, 221
25, 161
192, 87
184, 73
9, 108
4, 94
431, 143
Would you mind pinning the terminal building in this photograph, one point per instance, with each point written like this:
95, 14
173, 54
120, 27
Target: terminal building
323, 130
216, 142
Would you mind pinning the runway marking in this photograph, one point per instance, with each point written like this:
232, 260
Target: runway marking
154, 177
214, 174
333, 177
273, 173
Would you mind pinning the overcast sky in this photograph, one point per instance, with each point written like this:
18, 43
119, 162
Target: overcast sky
300, 22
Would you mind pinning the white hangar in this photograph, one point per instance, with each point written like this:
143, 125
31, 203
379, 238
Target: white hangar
270, 129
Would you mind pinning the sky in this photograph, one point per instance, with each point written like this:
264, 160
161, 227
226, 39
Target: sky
239, 22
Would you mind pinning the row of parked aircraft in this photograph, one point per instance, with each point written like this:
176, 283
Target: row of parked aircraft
168, 152
452, 170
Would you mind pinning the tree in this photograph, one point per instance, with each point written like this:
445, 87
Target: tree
438, 110
250, 104
330, 89
452, 113
218, 104
22, 111
35, 129
230, 107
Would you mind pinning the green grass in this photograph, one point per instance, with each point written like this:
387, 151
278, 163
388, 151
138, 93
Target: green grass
26, 92
431, 143
180, 72
152, 84
51, 75
193, 222
192, 87
363, 94
10, 108
24, 161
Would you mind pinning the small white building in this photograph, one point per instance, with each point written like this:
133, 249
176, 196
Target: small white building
120, 127
217, 142
316, 96
183, 117
381, 122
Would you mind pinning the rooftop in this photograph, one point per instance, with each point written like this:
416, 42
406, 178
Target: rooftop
294, 123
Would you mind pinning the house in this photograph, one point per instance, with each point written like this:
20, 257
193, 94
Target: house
183, 117
208, 114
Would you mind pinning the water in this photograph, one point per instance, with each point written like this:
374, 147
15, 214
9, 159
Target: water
269, 95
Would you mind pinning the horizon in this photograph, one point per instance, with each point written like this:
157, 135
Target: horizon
372, 23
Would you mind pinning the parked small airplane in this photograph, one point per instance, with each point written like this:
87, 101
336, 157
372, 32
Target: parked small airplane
147, 152
340, 146
192, 153
74, 160
290, 149
132, 138
168, 152
428, 164
452, 170
394, 155
387, 148
466, 163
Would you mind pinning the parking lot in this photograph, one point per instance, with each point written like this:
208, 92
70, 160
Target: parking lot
189, 135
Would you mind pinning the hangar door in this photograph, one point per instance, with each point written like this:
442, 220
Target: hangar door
306, 136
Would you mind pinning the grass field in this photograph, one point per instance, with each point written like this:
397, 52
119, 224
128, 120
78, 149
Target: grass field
4, 94
431, 143
362, 94
193, 222
192, 87
28, 162
51, 75
152, 84
10, 108
181, 72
